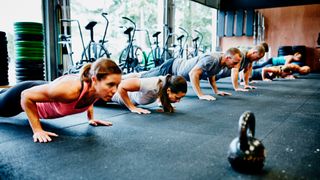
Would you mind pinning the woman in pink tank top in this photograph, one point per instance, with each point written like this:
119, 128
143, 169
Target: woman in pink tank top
69, 94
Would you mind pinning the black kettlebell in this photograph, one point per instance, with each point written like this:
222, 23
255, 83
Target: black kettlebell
246, 153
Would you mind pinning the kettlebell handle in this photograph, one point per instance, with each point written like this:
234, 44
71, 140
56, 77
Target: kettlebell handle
247, 124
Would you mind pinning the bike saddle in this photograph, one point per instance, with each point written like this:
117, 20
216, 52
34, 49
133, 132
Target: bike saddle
156, 34
90, 25
195, 39
180, 37
100, 41
127, 31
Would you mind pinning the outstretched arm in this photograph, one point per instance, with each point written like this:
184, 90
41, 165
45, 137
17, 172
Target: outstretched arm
212, 81
247, 74
132, 84
263, 73
95, 122
55, 91
271, 70
234, 79
195, 75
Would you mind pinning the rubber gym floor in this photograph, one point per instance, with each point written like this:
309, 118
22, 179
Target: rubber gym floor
191, 143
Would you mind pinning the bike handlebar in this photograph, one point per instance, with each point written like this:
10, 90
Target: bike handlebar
188, 35
104, 15
126, 18
201, 36
134, 26
198, 32
184, 30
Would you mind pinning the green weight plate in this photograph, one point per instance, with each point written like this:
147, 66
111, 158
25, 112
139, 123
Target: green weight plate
33, 51
33, 57
36, 49
29, 44
40, 28
29, 54
28, 28
28, 32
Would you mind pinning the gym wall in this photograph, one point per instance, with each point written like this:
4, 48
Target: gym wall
295, 25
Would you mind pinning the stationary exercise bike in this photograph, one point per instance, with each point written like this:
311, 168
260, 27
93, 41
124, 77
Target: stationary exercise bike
128, 60
96, 50
156, 54
196, 42
91, 52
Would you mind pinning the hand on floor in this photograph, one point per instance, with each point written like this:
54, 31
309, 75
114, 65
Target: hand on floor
222, 93
240, 89
43, 136
99, 122
207, 97
250, 82
250, 87
140, 111
160, 105
290, 77
160, 110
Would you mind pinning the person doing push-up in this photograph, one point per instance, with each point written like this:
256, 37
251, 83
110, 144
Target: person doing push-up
203, 67
142, 91
68, 94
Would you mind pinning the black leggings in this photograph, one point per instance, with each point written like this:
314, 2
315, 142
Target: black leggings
10, 98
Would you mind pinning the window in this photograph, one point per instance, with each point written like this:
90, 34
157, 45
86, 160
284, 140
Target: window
17, 11
147, 18
193, 16
147, 14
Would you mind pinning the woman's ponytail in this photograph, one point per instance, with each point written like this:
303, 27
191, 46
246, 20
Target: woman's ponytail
163, 95
176, 84
85, 73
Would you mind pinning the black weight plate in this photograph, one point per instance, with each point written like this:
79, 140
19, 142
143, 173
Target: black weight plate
33, 62
27, 37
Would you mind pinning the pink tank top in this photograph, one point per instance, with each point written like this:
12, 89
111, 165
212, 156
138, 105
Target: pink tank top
50, 110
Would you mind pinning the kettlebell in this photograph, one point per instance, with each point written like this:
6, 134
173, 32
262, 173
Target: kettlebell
246, 154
